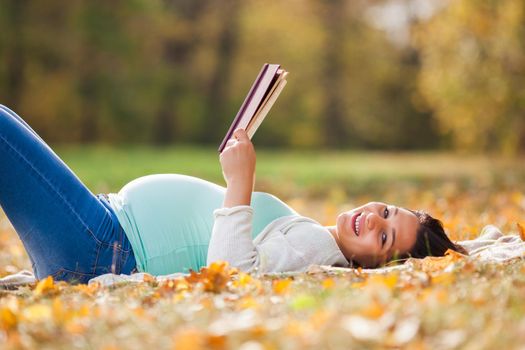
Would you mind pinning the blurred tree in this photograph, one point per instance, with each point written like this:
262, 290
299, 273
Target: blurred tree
179, 43
13, 48
335, 20
167, 71
217, 99
473, 68
99, 37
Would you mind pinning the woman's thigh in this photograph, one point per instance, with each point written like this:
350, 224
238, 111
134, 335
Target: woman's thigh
63, 226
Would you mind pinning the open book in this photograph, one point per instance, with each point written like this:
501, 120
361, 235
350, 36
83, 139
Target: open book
263, 93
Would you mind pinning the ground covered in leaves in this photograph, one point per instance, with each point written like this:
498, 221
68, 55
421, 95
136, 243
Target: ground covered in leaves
448, 303
435, 303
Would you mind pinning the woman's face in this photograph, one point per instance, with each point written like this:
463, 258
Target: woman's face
375, 232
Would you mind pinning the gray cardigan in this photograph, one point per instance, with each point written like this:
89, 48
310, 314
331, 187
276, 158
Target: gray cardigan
290, 243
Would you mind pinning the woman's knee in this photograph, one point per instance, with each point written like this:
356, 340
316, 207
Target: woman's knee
7, 118
10, 121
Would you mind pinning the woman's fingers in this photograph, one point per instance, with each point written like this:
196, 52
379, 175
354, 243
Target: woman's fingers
241, 135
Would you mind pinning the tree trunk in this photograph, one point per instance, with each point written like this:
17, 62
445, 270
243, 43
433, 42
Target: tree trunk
177, 53
15, 57
217, 113
333, 84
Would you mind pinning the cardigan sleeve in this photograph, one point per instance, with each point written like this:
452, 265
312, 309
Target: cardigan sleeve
231, 238
293, 246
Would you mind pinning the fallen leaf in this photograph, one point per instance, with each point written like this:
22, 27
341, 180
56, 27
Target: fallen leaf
248, 302
521, 230
188, 339
38, 313
374, 310
8, 319
44, 286
328, 283
282, 286
303, 301
243, 280
445, 278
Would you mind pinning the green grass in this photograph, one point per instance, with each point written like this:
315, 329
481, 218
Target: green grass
289, 173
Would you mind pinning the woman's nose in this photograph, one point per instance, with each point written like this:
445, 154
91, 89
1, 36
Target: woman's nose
372, 221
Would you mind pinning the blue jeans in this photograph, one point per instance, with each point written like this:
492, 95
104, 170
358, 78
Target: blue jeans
67, 231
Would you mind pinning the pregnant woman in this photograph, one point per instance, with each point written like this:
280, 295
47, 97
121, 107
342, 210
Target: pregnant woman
169, 223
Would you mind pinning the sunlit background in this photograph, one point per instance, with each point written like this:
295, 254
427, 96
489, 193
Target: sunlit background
400, 74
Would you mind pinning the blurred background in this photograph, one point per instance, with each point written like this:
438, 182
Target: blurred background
389, 75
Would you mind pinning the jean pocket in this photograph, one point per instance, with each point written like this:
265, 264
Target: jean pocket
72, 277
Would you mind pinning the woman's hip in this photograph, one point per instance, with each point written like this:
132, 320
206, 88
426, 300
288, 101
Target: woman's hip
83, 255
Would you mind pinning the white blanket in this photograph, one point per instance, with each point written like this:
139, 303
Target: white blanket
490, 245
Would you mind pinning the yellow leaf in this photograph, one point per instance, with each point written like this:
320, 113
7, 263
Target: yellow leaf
388, 281
83, 311
242, 280
57, 308
521, 230
45, 286
218, 266
38, 313
182, 285
88, 289
328, 283
443, 278
248, 303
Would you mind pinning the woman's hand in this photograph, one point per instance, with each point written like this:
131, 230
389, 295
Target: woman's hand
238, 159
238, 168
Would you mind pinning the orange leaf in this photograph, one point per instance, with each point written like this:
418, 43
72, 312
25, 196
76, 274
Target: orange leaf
188, 339
328, 283
281, 286
8, 319
374, 310
521, 230
454, 255
388, 280
149, 278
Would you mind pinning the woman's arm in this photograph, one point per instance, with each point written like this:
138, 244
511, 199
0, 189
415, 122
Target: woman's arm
231, 238
238, 168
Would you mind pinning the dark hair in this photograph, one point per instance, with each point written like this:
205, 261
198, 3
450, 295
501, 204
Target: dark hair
431, 239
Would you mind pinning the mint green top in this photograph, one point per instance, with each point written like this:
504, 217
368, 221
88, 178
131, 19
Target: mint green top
168, 219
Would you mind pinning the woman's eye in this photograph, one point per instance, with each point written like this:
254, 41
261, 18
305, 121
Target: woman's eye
386, 212
383, 239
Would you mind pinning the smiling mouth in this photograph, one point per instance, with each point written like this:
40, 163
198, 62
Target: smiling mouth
356, 223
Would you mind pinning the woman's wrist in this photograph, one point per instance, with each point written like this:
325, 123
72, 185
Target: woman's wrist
240, 181
238, 193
